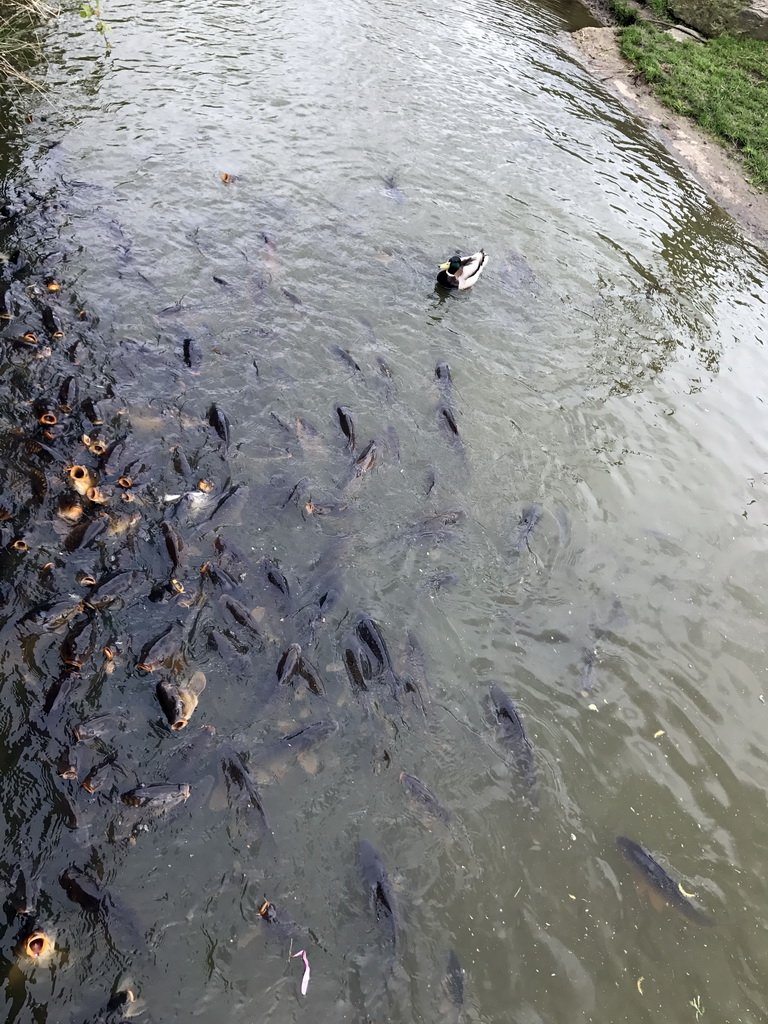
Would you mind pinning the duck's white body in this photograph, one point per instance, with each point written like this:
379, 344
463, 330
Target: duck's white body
466, 275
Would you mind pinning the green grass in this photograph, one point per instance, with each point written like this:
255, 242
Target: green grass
661, 9
623, 12
722, 84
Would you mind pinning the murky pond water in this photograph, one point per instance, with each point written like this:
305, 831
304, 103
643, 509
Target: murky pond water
608, 370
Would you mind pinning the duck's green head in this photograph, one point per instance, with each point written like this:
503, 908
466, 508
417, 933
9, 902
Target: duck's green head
452, 265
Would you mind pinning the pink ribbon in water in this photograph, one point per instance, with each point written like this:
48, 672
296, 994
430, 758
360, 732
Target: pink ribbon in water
305, 980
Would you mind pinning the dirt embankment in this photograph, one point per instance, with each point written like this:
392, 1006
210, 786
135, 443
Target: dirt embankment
719, 172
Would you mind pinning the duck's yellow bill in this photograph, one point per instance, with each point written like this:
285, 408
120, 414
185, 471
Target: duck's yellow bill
444, 266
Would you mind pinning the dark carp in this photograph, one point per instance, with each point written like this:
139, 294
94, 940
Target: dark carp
283, 752
239, 781
423, 797
587, 671
530, 518
293, 663
112, 587
357, 664
52, 322
228, 511
51, 616
435, 528
347, 425
515, 739
77, 646
238, 615
275, 918
7, 305
443, 374
162, 795
661, 887
289, 664
59, 691
385, 370
24, 893
98, 727
68, 763
84, 534
447, 418
184, 758
122, 1005
308, 435
118, 920
83, 890
412, 673
393, 190
174, 543
381, 897
345, 357
69, 392
366, 460
160, 650
179, 699
193, 356
219, 420
454, 980
375, 649
98, 775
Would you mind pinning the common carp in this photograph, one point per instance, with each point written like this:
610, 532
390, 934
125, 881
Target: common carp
239, 615
25, 892
454, 983
530, 518
392, 189
347, 425
284, 752
184, 759
446, 417
193, 357
157, 795
98, 727
219, 420
278, 922
112, 587
118, 920
37, 944
161, 649
345, 357
419, 794
381, 898
294, 663
97, 776
239, 779
515, 739
77, 646
59, 691
179, 699
228, 511
661, 887
366, 460
174, 543
357, 664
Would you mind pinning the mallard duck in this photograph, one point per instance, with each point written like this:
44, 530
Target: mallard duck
462, 273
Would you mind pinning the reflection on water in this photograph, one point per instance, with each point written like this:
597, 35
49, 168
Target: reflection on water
591, 541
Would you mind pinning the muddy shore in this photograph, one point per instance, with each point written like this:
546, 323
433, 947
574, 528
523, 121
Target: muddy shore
720, 172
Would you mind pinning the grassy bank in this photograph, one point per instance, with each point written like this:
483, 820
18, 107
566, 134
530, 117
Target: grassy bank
721, 83
18, 43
